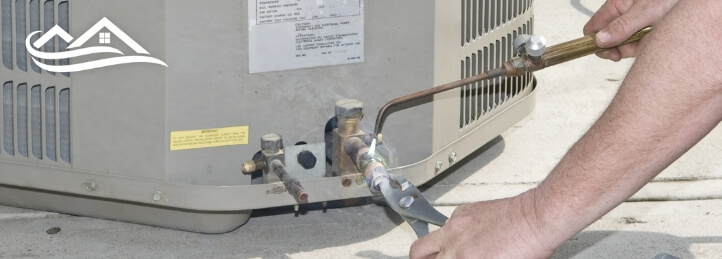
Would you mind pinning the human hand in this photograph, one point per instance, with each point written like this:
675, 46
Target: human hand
617, 20
506, 228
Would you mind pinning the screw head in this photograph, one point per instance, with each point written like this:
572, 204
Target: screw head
439, 166
157, 195
346, 181
452, 157
361, 179
406, 202
90, 186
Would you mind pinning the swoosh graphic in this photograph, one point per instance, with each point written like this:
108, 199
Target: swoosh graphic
67, 54
100, 63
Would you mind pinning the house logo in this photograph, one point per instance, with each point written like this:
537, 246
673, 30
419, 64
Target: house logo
75, 50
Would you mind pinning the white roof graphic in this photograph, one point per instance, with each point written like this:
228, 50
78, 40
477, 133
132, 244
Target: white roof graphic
105, 23
55, 31
72, 53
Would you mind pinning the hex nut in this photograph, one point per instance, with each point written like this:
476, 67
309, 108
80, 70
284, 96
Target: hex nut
349, 108
271, 142
306, 159
439, 166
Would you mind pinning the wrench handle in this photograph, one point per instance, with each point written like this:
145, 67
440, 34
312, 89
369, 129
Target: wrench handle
581, 47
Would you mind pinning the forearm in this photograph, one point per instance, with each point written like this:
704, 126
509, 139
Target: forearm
671, 98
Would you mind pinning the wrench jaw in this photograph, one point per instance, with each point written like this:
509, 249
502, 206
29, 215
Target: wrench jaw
404, 198
400, 194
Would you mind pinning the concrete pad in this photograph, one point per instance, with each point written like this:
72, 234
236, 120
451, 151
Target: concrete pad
685, 229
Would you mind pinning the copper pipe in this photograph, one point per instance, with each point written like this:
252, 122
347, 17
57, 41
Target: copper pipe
292, 184
554, 55
381, 117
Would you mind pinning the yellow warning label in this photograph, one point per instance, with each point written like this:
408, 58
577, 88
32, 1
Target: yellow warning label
192, 139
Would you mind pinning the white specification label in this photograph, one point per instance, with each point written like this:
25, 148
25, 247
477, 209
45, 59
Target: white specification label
291, 34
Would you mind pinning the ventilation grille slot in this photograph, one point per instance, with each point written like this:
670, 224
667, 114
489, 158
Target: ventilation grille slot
7, 33
36, 125
480, 98
481, 16
22, 17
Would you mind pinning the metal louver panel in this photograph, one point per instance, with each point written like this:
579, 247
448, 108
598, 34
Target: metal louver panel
35, 111
479, 17
480, 98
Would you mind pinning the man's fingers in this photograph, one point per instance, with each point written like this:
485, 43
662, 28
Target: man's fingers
637, 17
427, 247
609, 11
628, 50
611, 54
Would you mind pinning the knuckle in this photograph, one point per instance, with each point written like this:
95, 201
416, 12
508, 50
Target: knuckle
456, 225
647, 4
621, 6
588, 28
413, 247
619, 26
460, 210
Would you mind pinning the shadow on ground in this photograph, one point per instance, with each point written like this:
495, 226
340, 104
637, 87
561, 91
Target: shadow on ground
629, 244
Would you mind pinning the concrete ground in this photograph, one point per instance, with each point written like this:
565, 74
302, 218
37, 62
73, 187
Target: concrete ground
679, 214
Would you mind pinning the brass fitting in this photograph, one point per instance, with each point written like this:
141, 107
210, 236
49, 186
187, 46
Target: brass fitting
252, 166
349, 114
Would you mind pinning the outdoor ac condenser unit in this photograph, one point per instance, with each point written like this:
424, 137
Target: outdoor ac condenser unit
144, 111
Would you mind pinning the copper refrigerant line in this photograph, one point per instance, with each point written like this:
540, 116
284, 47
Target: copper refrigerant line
532, 56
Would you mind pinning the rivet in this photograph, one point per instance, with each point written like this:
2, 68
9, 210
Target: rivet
406, 202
